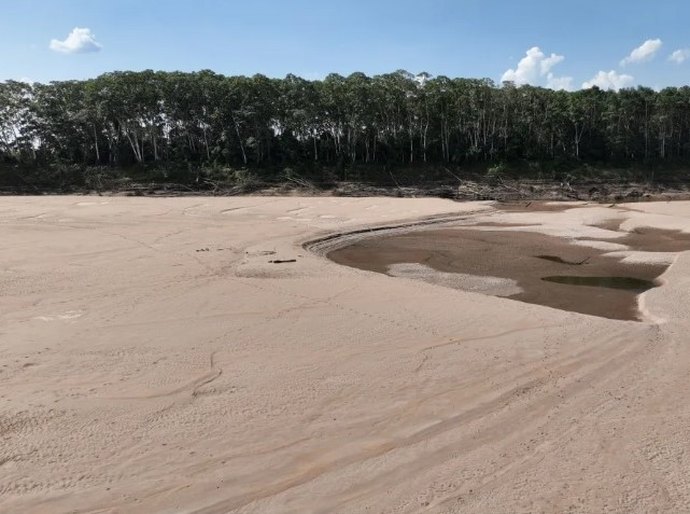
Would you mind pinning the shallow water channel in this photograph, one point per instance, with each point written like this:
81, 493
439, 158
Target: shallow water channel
524, 266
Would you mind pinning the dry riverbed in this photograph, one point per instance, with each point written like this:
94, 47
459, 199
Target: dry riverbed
201, 355
591, 278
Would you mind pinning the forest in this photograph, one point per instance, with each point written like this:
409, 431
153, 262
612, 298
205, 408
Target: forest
201, 127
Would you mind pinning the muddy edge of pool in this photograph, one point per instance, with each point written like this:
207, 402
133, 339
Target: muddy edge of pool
525, 257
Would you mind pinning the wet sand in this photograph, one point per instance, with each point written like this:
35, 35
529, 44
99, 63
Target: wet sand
527, 259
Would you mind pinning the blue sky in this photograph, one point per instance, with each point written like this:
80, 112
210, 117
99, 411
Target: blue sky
470, 38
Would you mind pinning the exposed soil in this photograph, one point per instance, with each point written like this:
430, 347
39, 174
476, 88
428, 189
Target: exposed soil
535, 206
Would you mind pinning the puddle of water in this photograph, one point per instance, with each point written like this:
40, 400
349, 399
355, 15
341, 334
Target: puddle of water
626, 283
561, 260
549, 270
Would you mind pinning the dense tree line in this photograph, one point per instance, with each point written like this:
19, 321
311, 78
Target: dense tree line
191, 120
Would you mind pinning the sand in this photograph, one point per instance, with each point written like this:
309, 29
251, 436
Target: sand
152, 359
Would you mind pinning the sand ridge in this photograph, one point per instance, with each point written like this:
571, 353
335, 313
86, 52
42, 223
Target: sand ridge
154, 360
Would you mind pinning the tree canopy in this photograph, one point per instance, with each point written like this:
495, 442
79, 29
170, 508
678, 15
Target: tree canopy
189, 120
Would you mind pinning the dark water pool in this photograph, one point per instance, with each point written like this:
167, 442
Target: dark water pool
626, 283
548, 270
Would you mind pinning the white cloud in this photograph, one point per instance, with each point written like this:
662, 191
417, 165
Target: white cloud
645, 52
680, 56
558, 83
79, 41
609, 80
534, 67
546, 64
